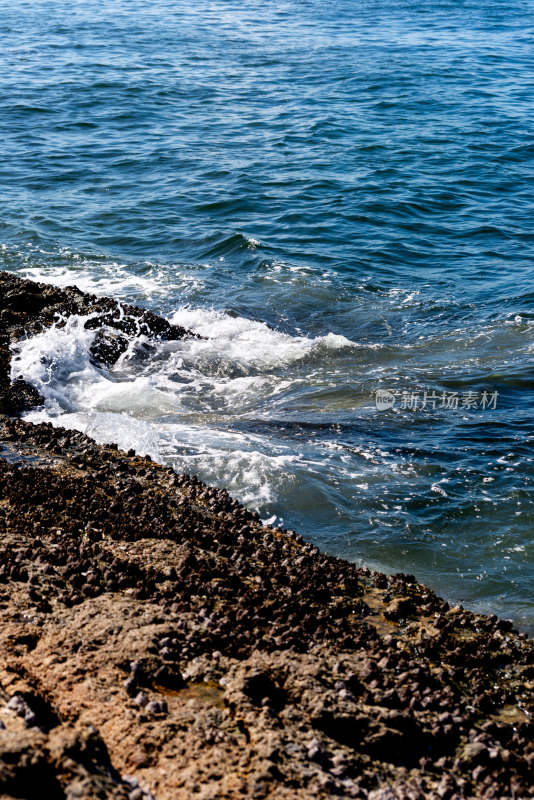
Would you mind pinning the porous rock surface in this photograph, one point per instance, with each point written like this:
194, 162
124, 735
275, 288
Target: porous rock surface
157, 641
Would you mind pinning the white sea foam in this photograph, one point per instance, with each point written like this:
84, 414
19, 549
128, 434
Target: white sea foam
157, 283
248, 343
178, 402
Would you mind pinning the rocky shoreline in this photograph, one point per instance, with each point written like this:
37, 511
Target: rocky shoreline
157, 641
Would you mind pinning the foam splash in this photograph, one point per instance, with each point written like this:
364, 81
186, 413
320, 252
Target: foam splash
251, 344
177, 402
151, 283
55, 359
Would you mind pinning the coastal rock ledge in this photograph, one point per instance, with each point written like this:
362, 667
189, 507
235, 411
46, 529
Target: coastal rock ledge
157, 641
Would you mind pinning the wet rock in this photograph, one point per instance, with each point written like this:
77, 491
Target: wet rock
400, 608
107, 347
474, 753
19, 396
27, 308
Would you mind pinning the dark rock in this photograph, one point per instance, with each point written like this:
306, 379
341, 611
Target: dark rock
107, 346
400, 608
27, 308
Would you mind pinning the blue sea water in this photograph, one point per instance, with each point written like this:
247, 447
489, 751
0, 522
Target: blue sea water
340, 197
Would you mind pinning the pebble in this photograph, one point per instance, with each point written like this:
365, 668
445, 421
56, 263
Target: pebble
141, 699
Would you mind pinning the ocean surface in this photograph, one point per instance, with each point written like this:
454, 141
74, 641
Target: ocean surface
340, 197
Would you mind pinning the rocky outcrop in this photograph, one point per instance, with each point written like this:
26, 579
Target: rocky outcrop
157, 641
27, 308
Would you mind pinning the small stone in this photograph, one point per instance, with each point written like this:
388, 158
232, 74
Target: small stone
130, 684
21, 708
472, 751
399, 608
156, 707
141, 699
315, 750
15, 703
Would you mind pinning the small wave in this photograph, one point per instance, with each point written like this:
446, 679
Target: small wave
149, 283
238, 369
224, 245
250, 343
